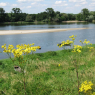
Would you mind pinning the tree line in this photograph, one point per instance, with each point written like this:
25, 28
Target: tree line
49, 15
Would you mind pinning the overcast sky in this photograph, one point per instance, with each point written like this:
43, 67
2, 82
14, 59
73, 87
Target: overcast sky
37, 6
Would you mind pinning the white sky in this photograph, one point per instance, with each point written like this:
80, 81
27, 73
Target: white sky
37, 6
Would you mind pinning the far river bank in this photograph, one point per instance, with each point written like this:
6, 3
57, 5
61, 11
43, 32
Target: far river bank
41, 22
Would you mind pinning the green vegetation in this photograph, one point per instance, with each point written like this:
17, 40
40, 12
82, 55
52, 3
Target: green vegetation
23, 23
49, 15
65, 72
45, 77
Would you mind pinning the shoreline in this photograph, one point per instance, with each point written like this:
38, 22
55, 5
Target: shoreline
12, 32
73, 21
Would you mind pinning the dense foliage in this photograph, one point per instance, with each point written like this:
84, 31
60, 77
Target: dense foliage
48, 15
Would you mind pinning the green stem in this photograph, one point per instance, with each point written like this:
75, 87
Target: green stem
73, 44
24, 81
78, 80
24, 86
10, 57
76, 66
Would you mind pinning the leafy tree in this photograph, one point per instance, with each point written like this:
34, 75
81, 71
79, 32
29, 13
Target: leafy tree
22, 16
92, 13
50, 13
39, 17
7, 19
57, 12
16, 10
34, 17
2, 15
42, 16
85, 13
29, 18
71, 17
15, 14
90, 18
64, 17
79, 17
57, 17
13, 17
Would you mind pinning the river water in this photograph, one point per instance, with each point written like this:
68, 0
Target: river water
47, 41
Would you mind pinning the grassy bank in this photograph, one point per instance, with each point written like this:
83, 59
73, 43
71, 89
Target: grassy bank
44, 76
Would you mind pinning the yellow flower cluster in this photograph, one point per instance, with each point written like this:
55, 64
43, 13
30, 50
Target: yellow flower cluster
10, 47
91, 48
21, 49
85, 86
86, 42
73, 38
63, 43
77, 48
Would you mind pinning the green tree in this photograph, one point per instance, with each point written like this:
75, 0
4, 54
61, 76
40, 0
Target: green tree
39, 16
64, 17
2, 15
90, 18
50, 13
79, 17
7, 19
57, 17
22, 16
71, 17
15, 14
34, 17
29, 18
85, 13
92, 13
57, 12
16, 10
44, 14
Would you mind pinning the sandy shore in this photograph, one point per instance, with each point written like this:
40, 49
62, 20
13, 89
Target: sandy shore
11, 32
73, 21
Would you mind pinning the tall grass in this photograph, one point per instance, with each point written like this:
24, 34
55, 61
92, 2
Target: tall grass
45, 77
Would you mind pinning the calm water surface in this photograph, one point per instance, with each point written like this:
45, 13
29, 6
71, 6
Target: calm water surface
47, 41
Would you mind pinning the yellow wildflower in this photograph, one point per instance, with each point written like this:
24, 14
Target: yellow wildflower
73, 38
59, 65
85, 86
32, 43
